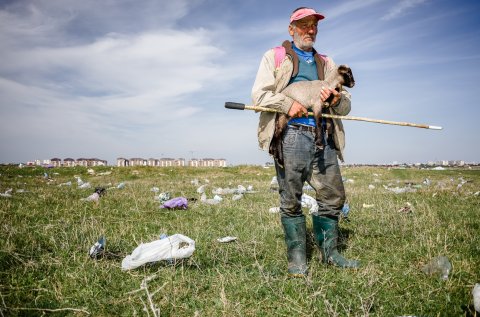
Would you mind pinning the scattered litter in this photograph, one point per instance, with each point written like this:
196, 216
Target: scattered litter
274, 184
201, 189
163, 236
175, 203
226, 239
105, 173
371, 187
476, 297
7, 193
99, 191
274, 210
121, 186
349, 181
155, 189
79, 180
476, 193
163, 197
462, 182
400, 190
439, 265
438, 168
366, 206
406, 209
427, 182
345, 210
176, 246
217, 199
227, 191
307, 202
85, 185
90, 171
237, 197
310, 202
98, 249
93, 197
194, 182
65, 184
21, 190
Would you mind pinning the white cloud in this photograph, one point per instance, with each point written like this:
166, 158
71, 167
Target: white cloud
400, 8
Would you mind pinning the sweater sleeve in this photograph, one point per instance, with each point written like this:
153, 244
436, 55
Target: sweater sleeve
264, 88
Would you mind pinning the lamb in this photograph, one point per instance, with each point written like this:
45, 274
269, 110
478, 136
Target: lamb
308, 94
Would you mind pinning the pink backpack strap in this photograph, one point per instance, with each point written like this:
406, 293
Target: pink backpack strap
323, 57
280, 53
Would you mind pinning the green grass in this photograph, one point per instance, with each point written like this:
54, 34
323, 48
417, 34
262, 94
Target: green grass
46, 233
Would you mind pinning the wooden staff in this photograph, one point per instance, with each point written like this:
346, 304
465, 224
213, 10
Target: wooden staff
241, 106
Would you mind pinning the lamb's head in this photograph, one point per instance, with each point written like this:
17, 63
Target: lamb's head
346, 73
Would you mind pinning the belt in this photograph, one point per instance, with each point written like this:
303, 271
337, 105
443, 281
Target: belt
303, 127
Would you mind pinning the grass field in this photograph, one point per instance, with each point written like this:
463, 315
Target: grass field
47, 230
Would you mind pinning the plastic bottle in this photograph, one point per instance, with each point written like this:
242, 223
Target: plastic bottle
440, 266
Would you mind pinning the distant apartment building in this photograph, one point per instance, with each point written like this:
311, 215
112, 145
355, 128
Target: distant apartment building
171, 162
68, 162
207, 162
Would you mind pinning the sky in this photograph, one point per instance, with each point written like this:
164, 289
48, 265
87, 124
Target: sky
149, 79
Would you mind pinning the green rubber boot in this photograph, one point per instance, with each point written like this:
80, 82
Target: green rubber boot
295, 239
326, 233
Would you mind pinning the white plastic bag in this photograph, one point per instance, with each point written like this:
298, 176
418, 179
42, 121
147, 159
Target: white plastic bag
164, 249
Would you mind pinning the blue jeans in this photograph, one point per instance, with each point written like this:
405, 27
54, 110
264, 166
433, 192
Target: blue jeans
304, 162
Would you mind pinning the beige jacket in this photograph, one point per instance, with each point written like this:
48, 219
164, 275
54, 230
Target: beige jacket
266, 92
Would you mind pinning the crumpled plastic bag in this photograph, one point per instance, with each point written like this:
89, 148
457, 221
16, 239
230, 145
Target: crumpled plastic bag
476, 297
176, 246
310, 202
175, 203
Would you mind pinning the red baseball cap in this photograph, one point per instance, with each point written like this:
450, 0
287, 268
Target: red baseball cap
305, 12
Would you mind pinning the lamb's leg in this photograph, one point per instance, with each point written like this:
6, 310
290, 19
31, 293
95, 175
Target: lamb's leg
317, 113
276, 146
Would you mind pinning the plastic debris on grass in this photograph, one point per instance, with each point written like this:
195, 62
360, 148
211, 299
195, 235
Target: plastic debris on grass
237, 197
371, 187
400, 190
367, 206
439, 266
408, 208
226, 239
345, 210
65, 184
274, 183
175, 203
476, 297
99, 191
211, 201
7, 193
98, 249
307, 202
201, 189
163, 197
177, 246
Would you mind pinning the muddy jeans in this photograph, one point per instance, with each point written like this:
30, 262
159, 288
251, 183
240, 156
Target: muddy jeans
304, 162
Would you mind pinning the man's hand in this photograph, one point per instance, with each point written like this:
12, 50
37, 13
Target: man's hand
326, 92
297, 110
